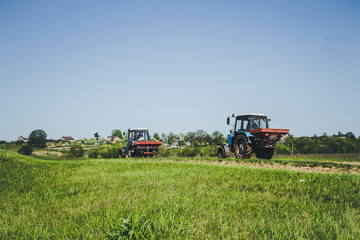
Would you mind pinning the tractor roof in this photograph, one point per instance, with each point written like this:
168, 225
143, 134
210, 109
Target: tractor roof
139, 129
252, 115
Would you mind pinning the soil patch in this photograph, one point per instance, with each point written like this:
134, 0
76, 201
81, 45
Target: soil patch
44, 153
318, 169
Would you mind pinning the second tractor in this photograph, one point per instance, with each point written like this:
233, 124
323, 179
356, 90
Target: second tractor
139, 144
251, 134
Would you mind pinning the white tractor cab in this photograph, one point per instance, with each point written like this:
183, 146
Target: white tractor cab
138, 134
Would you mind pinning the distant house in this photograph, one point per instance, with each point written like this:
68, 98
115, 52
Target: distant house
114, 138
23, 139
67, 138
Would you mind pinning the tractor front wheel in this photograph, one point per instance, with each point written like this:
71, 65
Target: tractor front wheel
241, 147
221, 152
123, 152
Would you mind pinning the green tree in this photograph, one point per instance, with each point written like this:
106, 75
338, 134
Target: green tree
96, 135
181, 139
156, 136
171, 138
200, 136
218, 137
117, 133
190, 136
37, 138
76, 151
350, 136
208, 139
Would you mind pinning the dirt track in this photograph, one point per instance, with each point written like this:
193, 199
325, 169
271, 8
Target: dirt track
318, 169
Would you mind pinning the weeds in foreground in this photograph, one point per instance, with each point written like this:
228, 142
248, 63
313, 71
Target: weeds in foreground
158, 199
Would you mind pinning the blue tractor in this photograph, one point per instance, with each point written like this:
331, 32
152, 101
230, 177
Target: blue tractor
251, 134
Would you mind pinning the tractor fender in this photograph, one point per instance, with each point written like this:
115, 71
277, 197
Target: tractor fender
246, 134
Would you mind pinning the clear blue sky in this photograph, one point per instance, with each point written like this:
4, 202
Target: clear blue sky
73, 68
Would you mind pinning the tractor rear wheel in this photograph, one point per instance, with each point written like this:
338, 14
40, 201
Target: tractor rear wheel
241, 147
265, 153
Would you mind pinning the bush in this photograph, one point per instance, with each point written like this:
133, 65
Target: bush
76, 151
190, 152
25, 150
104, 152
174, 152
282, 149
163, 151
110, 151
209, 151
93, 153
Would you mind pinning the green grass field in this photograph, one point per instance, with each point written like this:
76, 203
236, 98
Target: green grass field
165, 199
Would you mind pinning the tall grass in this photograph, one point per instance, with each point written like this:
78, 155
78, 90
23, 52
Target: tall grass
141, 199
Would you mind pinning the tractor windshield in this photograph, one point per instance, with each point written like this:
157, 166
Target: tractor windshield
139, 136
258, 123
142, 136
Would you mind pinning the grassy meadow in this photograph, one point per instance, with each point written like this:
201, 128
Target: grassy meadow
165, 199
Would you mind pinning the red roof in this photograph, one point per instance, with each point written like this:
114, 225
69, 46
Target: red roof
67, 138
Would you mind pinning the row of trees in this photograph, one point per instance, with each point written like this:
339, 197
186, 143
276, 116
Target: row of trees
325, 144
195, 139
340, 143
37, 138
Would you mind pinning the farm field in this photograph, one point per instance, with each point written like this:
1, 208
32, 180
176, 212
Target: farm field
173, 198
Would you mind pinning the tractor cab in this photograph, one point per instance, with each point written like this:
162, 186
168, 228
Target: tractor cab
247, 122
138, 135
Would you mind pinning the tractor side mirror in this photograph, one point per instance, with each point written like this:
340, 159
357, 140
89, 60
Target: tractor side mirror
123, 133
228, 121
269, 120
